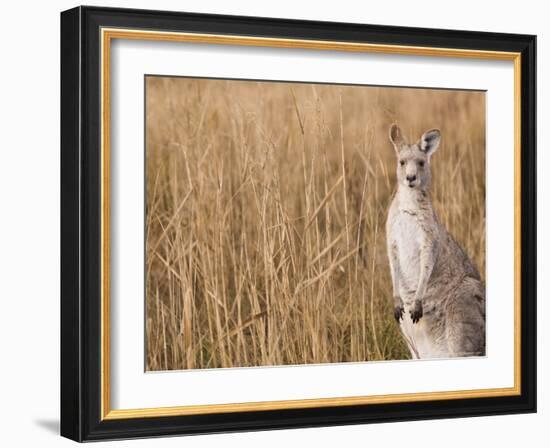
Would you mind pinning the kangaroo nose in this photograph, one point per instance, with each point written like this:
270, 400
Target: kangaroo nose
411, 178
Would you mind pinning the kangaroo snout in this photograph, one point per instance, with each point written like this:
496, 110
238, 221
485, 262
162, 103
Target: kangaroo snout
411, 180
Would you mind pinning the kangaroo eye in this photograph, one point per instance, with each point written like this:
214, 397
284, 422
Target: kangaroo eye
401, 162
421, 164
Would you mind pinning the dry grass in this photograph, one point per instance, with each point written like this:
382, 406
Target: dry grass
266, 207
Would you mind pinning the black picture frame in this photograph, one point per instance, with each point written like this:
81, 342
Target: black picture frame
81, 224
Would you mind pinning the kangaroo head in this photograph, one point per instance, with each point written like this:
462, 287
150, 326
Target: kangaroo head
413, 161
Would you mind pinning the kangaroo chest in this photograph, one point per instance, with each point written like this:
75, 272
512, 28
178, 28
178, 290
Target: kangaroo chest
408, 236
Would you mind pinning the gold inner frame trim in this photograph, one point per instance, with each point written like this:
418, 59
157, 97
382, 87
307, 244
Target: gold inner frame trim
107, 35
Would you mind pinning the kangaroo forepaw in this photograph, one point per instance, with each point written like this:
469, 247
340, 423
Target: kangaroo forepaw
398, 312
398, 308
416, 312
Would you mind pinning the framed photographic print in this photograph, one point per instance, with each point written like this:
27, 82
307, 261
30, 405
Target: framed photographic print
272, 223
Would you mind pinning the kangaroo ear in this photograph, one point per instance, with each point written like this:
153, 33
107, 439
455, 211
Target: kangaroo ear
396, 137
430, 141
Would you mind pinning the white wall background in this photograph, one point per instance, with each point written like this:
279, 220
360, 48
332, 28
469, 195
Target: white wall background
29, 219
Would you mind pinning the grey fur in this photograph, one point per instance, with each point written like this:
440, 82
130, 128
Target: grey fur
439, 298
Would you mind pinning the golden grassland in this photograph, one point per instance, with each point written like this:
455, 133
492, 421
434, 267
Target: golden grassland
266, 209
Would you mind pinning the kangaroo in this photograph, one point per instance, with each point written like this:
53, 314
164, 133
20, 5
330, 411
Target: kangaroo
434, 281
